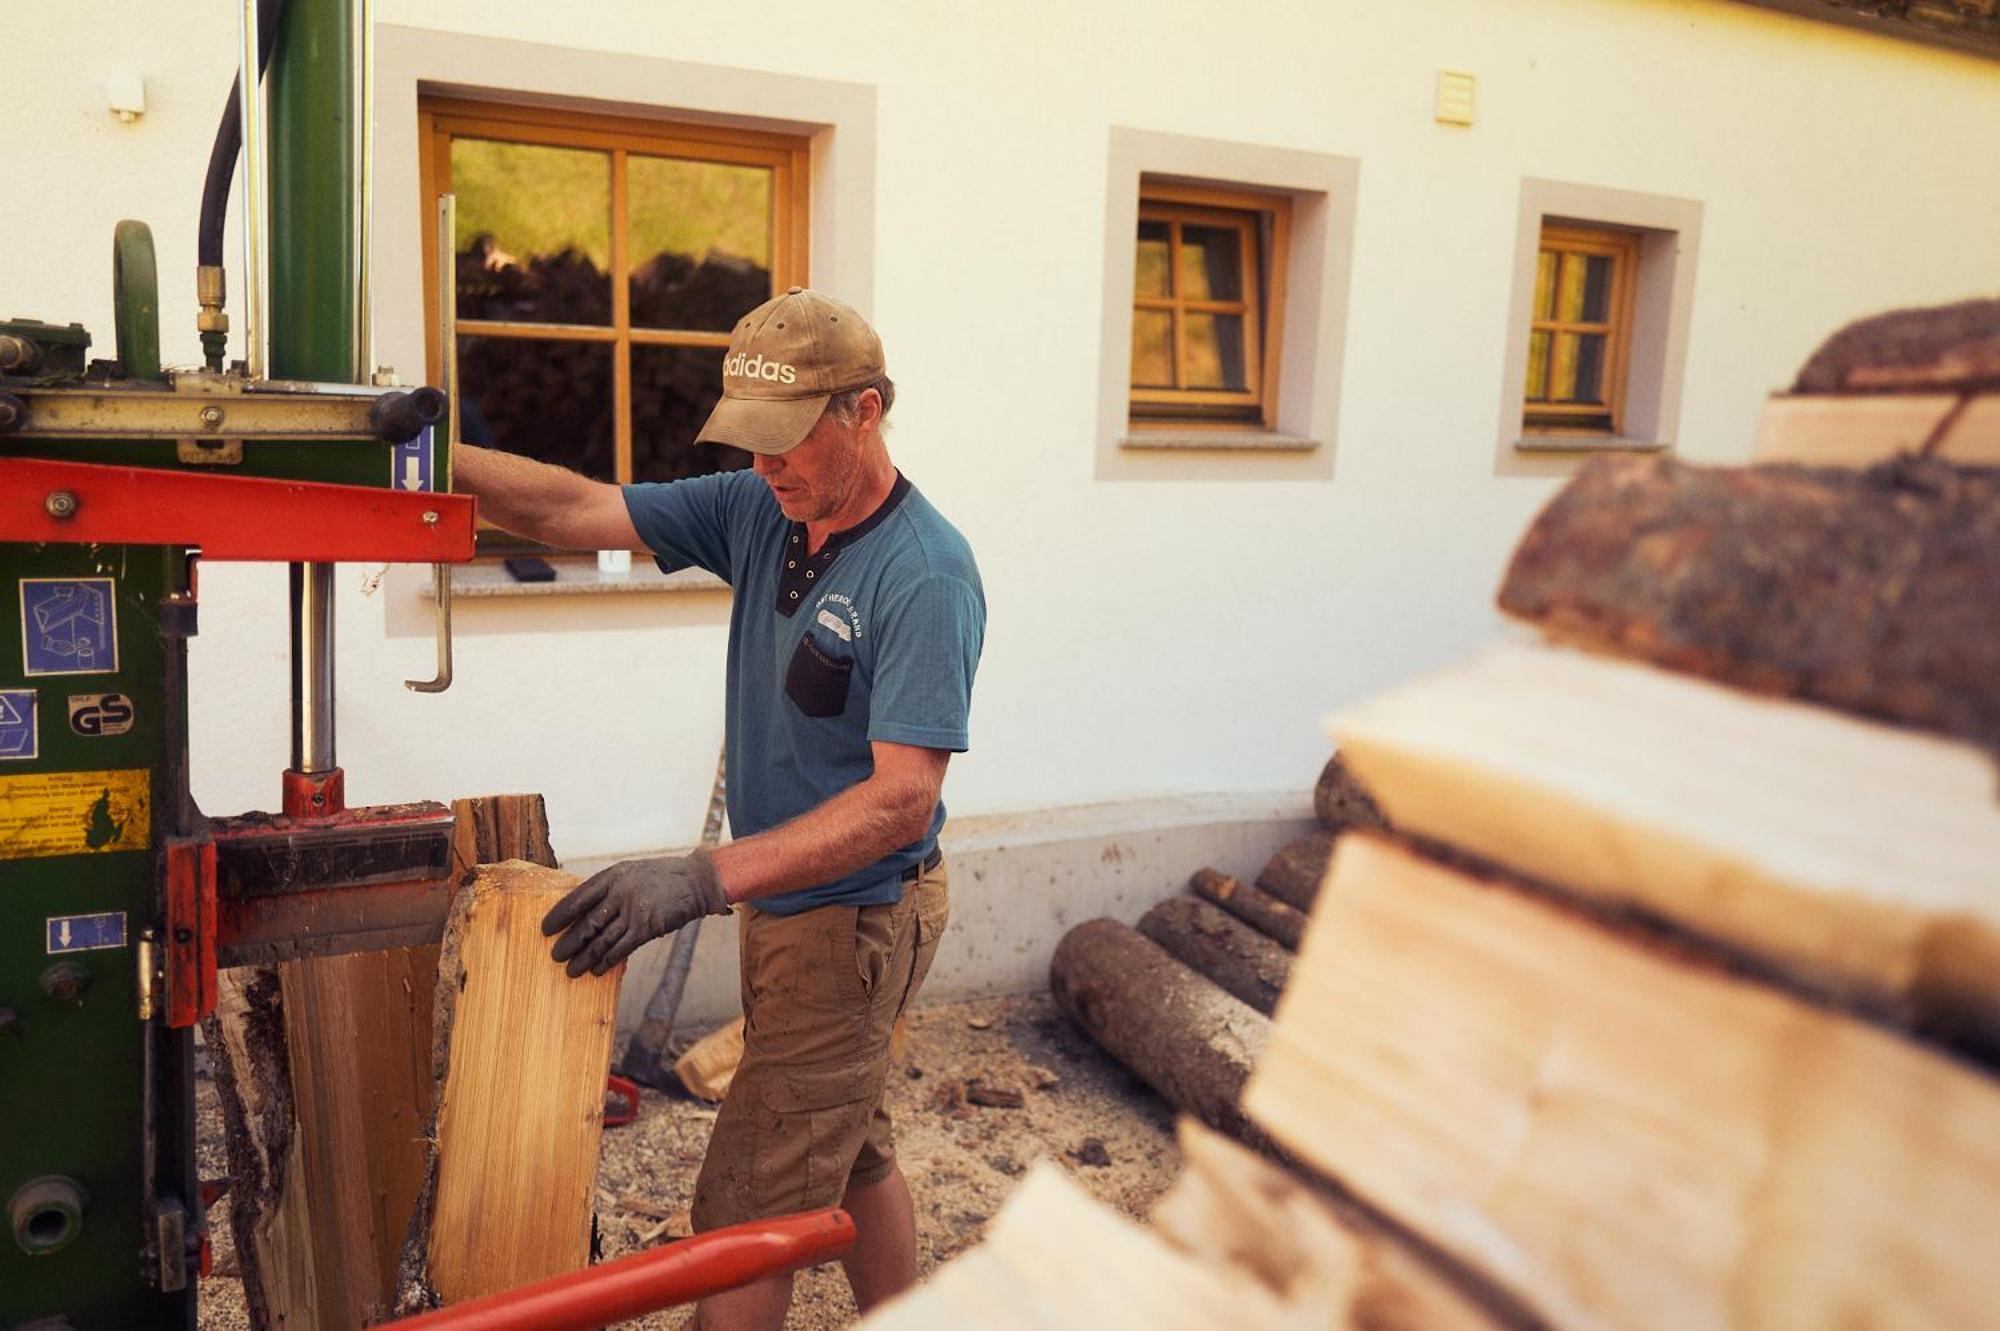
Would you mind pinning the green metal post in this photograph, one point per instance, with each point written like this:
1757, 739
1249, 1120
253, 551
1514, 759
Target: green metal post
315, 260
312, 240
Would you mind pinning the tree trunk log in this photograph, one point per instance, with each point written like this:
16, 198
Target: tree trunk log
1870, 591
1341, 802
1181, 1035
1244, 962
1255, 907
1294, 874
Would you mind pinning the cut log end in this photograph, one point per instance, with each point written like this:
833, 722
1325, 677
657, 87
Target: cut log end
1294, 874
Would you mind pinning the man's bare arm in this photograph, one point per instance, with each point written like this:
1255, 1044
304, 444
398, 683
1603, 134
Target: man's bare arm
860, 825
543, 503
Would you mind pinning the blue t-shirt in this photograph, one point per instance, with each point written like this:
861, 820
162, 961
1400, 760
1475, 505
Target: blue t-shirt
875, 637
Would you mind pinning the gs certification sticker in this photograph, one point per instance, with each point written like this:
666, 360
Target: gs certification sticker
94, 714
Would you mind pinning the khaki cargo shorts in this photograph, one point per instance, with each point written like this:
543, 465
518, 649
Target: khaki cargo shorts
804, 1119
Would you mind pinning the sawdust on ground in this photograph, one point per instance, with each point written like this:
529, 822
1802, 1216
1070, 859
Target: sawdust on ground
1078, 1109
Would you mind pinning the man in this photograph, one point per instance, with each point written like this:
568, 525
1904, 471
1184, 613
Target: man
855, 632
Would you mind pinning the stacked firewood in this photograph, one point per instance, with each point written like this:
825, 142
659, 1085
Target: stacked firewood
1666, 991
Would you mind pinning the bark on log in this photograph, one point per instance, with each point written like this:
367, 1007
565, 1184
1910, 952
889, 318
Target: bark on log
1341, 802
1180, 1033
1244, 962
1870, 591
1255, 907
1294, 874
1948, 347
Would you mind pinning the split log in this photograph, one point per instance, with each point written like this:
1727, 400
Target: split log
325, 1078
1231, 1206
1341, 802
1179, 1032
1870, 591
1253, 906
1294, 874
710, 1063
522, 1053
1238, 1244
1856, 860
1618, 1137
1244, 962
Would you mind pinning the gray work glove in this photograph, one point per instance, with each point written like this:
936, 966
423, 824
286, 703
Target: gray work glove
611, 913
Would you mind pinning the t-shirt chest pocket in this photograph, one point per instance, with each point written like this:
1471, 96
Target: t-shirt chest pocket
817, 680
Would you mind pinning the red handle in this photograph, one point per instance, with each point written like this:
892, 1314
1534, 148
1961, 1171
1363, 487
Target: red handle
648, 1281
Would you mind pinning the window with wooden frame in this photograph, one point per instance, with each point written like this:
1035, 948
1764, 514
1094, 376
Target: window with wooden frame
601, 263
1580, 333
1206, 294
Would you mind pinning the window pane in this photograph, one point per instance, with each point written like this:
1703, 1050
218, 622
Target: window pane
1545, 285
1569, 291
1152, 349
701, 242
1597, 289
1562, 369
534, 232
1151, 278
542, 398
1211, 263
1590, 368
1215, 351
1538, 366
673, 390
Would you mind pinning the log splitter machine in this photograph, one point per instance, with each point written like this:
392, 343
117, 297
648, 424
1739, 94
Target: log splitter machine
119, 899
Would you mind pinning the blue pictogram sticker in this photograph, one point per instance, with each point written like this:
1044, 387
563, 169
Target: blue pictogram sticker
410, 464
17, 724
69, 626
86, 933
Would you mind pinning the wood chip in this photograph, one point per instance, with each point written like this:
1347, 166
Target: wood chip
993, 1097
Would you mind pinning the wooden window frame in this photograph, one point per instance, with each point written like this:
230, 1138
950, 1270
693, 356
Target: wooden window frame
788, 158
1265, 223
1622, 248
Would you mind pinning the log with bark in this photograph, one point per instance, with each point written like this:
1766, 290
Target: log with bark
1949, 347
520, 1056
1853, 859
1173, 1027
1341, 802
1870, 591
1617, 1134
1244, 962
1293, 875
1254, 906
323, 1075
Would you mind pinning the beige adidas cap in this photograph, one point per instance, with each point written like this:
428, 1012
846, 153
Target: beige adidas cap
786, 358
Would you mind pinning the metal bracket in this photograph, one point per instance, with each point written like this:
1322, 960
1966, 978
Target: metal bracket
203, 406
229, 517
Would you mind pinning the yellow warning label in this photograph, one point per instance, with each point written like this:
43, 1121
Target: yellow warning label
74, 813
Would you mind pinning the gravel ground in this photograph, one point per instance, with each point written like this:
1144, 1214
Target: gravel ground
1078, 1108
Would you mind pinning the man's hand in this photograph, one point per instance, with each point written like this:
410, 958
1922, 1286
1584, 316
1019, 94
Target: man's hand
611, 913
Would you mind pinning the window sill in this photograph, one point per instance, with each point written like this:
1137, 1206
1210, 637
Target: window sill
1589, 443
481, 579
1236, 441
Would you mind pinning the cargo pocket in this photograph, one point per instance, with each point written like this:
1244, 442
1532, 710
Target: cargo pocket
816, 681
821, 1114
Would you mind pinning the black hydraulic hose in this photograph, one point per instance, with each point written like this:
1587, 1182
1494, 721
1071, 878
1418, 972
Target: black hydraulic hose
228, 141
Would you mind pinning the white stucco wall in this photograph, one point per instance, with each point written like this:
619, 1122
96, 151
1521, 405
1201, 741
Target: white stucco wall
1147, 637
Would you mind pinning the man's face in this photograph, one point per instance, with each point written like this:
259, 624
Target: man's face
812, 481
